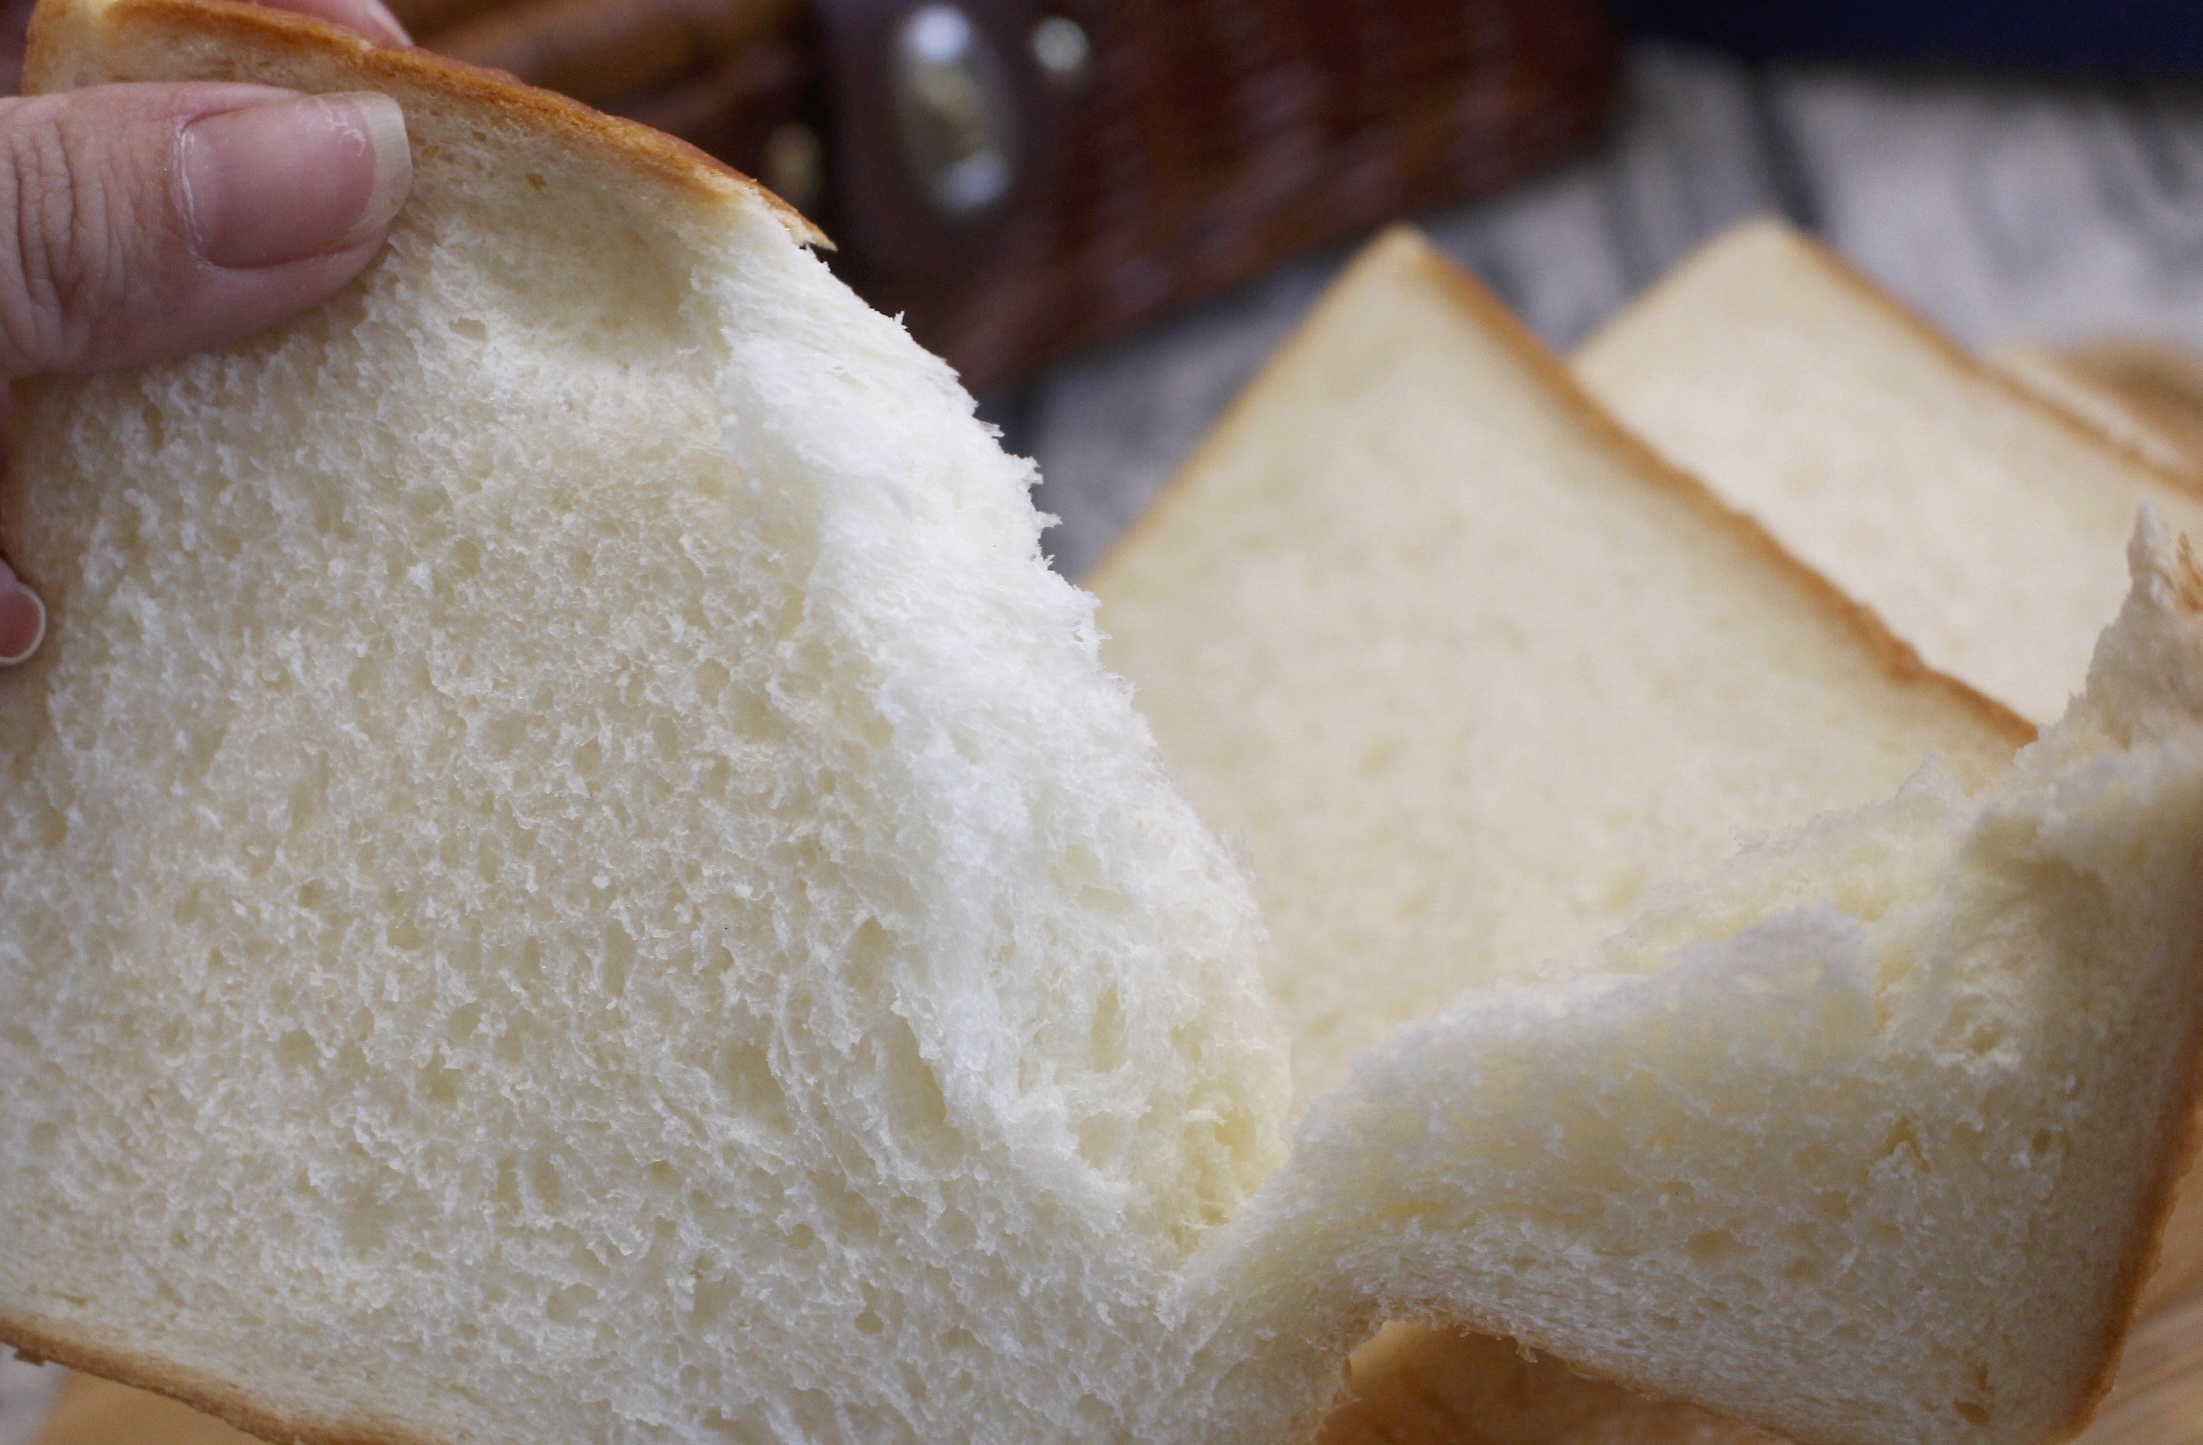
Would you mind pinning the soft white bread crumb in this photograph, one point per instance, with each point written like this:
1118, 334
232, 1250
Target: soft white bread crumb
1902, 467
571, 873
1986, 530
1470, 671
1412, 543
1864, 1137
572, 877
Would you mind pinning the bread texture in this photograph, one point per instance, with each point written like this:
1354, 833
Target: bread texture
1967, 498
572, 876
571, 872
1421, 624
1471, 671
1896, 1014
1987, 529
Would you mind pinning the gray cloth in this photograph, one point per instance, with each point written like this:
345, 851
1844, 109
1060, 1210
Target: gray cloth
26, 1395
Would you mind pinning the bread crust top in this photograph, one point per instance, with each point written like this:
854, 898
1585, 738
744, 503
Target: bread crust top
1922, 331
356, 62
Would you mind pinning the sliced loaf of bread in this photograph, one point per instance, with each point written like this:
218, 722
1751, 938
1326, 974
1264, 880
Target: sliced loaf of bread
572, 874
1471, 671
1870, 1132
1450, 652
1986, 529
573, 877
1971, 500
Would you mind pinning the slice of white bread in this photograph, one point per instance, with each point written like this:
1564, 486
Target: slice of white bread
1986, 529
1841, 1122
571, 874
1910, 473
571, 877
1471, 671
1445, 647
2118, 416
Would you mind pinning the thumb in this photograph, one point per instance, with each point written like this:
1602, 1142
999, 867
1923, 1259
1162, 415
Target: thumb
139, 222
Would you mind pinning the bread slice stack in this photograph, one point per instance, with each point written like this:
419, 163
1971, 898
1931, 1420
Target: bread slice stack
1432, 634
1986, 529
1874, 445
572, 876
1472, 672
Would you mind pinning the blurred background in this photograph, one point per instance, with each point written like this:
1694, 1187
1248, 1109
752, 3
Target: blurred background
1107, 212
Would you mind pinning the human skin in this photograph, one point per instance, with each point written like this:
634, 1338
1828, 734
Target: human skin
141, 222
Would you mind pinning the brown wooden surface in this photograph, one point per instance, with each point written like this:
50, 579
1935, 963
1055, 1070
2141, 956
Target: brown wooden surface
93, 1411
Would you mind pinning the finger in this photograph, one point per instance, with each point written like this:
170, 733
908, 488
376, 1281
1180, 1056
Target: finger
140, 222
370, 18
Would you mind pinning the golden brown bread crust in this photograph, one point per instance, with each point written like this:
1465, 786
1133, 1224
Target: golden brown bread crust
1927, 332
209, 1396
2178, 1133
369, 66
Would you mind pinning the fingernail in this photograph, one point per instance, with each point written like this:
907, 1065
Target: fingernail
22, 621
295, 179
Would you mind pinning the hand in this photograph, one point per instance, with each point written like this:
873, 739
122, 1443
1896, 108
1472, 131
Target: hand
145, 221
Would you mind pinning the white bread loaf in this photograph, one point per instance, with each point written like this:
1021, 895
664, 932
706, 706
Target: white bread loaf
572, 877
1985, 528
571, 874
1471, 671
1431, 634
1902, 467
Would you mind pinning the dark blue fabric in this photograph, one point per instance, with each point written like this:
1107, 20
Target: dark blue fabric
2125, 37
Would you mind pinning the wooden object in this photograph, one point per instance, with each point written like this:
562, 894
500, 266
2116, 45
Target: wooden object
1192, 145
93, 1411
1209, 141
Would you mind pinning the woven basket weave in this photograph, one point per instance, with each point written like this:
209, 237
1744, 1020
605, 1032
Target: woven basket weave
1206, 140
